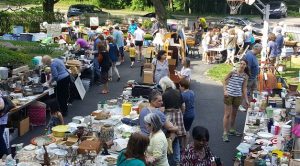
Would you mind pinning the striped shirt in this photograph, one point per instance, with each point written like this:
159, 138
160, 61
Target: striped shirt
235, 84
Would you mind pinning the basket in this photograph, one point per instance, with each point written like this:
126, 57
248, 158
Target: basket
37, 113
290, 43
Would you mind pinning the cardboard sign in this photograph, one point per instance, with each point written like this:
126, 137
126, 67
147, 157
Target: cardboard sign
6, 137
94, 21
54, 30
80, 88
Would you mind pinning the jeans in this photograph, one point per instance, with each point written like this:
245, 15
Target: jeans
175, 157
96, 68
188, 121
3, 148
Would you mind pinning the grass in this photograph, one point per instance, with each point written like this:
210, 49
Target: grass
291, 74
219, 71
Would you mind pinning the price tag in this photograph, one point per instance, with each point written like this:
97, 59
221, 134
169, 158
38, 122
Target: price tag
51, 91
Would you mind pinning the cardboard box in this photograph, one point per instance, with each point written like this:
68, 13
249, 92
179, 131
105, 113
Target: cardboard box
24, 126
148, 66
148, 77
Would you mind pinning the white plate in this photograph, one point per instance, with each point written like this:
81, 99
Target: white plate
28, 164
262, 141
265, 135
29, 147
249, 134
59, 152
40, 157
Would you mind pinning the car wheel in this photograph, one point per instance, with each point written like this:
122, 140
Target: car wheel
279, 16
285, 14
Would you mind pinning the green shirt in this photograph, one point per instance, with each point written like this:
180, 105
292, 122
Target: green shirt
122, 161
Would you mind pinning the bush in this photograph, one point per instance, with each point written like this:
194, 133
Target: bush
147, 23
14, 58
5, 23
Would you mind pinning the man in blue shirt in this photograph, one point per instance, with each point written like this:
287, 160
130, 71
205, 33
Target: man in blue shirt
119, 39
254, 70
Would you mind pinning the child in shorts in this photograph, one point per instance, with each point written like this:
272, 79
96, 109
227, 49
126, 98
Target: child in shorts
132, 54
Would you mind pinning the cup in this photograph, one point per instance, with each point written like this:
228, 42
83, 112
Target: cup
19, 146
269, 112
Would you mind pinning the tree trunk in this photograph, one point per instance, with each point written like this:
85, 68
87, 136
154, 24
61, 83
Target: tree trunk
160, 11
48, 9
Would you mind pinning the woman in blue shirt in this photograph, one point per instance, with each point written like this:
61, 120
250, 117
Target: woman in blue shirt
60, 74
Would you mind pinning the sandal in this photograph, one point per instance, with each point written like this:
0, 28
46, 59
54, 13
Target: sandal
104, 92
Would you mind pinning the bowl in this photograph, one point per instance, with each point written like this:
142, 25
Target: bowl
60, 130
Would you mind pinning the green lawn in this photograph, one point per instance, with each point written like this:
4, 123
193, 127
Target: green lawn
291, 74
219, 71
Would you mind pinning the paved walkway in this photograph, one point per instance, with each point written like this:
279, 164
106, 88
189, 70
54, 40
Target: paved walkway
208, 103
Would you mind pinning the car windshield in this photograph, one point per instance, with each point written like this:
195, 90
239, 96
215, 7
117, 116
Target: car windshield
274, 5
83, 8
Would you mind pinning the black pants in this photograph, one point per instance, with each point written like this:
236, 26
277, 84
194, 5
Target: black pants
3, 149
62, 94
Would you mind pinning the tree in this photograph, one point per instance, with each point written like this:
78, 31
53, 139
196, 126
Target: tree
160, 11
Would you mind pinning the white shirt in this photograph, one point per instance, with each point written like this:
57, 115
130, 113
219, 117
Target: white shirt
186, 72
139, 34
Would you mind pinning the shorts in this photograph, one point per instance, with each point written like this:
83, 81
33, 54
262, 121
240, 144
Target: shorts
132, 59
234, 101
139, 43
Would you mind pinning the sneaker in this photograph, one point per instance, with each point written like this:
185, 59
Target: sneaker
225, 138
242, 109
233, 132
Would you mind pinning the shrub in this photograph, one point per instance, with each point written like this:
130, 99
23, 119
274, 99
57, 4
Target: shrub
13, 57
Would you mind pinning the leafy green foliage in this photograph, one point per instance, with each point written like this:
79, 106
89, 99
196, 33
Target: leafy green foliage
113, 4
138, 5
13, 57
147, 23
5, 23
219, 71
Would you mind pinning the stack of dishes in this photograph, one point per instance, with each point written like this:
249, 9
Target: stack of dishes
286, 130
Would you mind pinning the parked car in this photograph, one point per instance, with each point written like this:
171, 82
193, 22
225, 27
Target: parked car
278, 9
150, 15
242, 22
79, 9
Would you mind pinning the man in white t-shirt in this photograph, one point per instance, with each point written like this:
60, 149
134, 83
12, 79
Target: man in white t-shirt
139, 39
